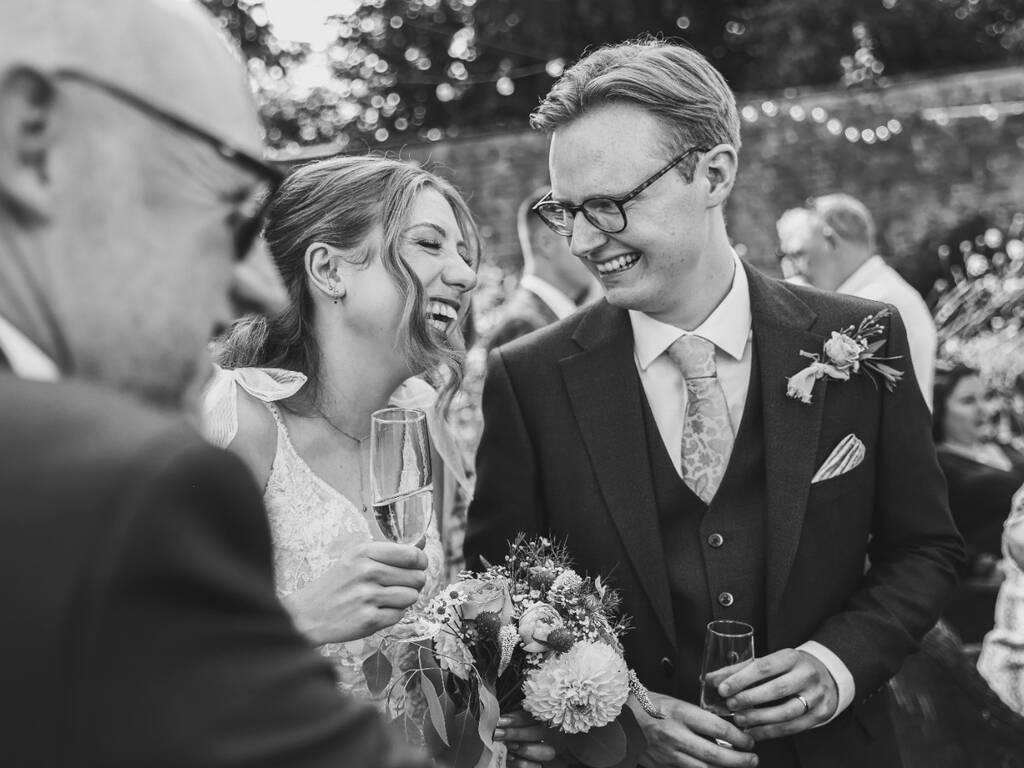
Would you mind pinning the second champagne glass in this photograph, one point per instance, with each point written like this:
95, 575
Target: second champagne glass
401, 487
728, 647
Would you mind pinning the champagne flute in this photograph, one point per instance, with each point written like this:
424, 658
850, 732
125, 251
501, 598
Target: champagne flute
401, 490
728, 647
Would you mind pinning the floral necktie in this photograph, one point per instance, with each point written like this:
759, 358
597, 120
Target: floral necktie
707, 431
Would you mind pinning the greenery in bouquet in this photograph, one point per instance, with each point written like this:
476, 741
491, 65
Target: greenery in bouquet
531, 634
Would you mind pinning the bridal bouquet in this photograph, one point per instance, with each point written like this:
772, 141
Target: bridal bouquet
529, 634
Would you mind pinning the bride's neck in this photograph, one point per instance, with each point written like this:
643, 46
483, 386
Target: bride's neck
353, 384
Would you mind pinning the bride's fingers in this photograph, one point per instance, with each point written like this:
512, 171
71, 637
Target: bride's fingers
395, 597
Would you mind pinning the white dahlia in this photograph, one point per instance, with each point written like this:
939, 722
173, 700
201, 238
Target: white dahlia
583, 688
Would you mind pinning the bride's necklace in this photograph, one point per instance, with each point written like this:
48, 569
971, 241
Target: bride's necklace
359, 447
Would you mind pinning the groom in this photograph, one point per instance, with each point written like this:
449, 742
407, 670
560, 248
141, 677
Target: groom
653, 432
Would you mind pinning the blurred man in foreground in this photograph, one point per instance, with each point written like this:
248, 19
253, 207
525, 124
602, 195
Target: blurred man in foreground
140, 622
831, 244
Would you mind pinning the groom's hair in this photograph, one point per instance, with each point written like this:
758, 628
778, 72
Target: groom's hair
674, 83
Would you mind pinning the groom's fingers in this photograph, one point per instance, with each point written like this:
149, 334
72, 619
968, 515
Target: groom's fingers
782, 712
789, 728
765, 668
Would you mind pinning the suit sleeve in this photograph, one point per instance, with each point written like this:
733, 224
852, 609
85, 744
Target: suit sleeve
195, 661
915, 551
507, 497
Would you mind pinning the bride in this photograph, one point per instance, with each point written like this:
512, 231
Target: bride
379, 258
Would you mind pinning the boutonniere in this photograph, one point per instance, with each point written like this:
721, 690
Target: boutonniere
848, 351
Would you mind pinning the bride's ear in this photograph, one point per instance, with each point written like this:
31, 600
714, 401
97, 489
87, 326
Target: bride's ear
322, 262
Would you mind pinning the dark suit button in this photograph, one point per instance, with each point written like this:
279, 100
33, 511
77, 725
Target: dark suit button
716, 540
667, 666
726, 599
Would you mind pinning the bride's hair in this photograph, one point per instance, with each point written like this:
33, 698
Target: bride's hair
339, 201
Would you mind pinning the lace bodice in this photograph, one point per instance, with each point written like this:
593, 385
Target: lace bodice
312, 524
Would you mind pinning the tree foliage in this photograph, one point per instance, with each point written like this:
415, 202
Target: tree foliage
402, 69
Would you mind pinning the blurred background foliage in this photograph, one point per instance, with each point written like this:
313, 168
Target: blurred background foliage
393, 71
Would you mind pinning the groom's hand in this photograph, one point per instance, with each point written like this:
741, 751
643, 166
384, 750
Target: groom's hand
524, 738
686, 737
766, 694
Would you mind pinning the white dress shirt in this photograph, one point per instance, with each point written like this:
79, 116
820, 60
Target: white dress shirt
554, 298
729, 328
876, 280
26, 359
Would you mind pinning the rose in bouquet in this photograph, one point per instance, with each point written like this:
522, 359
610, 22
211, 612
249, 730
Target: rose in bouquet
529, 634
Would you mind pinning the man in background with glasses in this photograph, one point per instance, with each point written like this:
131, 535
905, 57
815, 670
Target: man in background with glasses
653, 434
140, 622
831, 243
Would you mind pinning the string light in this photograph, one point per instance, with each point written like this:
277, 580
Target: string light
883, 132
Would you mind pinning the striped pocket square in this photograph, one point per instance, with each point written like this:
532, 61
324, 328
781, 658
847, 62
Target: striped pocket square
846, 456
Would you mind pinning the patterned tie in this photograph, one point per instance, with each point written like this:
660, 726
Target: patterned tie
707, 432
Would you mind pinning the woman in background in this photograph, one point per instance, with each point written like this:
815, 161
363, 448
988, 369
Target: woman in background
982, 475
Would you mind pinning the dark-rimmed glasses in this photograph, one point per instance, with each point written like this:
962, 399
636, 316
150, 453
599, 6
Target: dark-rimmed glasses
605, 213
249, 217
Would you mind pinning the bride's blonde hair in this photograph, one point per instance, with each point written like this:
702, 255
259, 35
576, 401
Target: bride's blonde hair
340, 201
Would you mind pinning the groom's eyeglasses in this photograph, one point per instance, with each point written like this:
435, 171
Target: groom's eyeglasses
605, 213
249, 218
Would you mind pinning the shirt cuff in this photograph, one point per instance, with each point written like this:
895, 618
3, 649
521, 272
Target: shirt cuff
840, 674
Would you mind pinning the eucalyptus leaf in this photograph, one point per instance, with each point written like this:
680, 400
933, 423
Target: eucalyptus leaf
435, 710
377, 670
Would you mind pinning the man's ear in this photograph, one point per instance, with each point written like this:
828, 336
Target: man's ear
720, 169
27, 100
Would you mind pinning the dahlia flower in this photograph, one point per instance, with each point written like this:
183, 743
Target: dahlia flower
583, 688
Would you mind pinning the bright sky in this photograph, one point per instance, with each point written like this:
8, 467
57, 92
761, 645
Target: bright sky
303, 20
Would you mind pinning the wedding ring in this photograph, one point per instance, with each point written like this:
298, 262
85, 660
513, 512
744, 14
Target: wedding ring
802, 700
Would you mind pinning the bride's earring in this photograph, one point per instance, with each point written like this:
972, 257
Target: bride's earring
336, 290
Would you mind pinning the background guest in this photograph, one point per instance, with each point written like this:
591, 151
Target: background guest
831, 243
1002, 653
554, 283
981, 475
141, 626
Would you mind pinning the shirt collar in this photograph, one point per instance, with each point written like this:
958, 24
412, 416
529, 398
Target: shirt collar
27, 360
727, 327
864, 275
556, 300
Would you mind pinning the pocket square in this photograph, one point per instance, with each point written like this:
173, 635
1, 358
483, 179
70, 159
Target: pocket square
846, 456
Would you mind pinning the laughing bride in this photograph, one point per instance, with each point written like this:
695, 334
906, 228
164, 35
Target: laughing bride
379, 257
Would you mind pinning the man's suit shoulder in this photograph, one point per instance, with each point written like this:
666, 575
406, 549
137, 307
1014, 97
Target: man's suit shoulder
88, 436
835, 310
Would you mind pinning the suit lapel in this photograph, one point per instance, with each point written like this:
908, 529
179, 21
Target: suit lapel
781, 324
603, 385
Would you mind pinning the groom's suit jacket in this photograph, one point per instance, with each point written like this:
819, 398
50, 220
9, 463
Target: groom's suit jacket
140, 625
566, 451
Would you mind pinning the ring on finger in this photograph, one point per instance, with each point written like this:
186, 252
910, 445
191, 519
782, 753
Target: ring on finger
802, 700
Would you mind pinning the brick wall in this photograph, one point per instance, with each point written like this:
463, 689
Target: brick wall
921, 181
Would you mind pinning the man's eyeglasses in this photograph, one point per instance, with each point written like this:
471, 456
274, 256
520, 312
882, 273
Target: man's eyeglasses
605, 213
249, 220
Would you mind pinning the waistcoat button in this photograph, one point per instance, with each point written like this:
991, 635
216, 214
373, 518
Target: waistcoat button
667, 666
716, 540
726, 599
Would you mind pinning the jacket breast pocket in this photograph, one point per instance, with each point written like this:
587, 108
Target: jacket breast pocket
836, 487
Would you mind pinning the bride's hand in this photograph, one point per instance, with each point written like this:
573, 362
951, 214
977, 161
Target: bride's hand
366, 590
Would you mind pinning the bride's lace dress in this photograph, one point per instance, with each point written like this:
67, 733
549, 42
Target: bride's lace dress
312, 525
